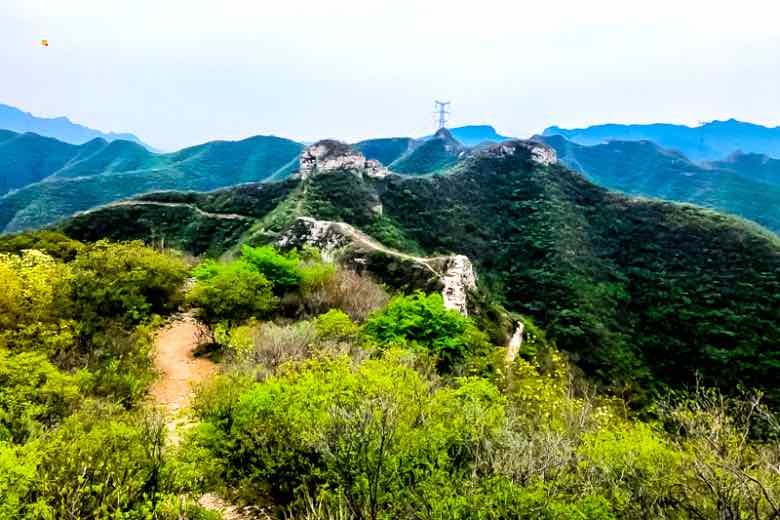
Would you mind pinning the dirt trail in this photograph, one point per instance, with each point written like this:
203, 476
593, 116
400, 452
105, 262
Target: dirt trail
179, 369
172, 391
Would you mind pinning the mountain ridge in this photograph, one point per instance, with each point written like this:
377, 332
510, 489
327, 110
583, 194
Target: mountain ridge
708, 142
61, 128
738, 186
639, 292
77, 178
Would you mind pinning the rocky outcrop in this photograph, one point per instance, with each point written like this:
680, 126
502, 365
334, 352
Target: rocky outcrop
453, 276
540, 153
330, 156
515, 342
326, 236
459, 280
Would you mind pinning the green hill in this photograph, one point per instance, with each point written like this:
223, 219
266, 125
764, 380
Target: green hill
745, 185
28, 158
54, 180
757, 167
641, 293
436, 153
385, 150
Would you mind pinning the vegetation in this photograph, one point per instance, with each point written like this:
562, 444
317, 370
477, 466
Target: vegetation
642, 294
335, 401
75, 336
328, 433
384, 150
748, 186
431, 155
55, 180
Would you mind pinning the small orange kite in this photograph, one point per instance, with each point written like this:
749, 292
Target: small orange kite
45, 43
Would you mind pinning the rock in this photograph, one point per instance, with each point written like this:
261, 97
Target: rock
453, 276
330, 155
459, 280
324, 235
540, 153
513, 348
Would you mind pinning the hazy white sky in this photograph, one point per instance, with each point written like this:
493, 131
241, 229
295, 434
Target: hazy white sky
179, 72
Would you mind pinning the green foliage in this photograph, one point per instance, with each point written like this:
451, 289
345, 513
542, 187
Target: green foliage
127, 280
430, 156
53, 243
423, 321
642, 293
335, 325
232, 293
98, 464
282, 270
369, 435
34, 395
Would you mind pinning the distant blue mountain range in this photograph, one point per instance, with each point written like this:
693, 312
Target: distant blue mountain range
60, 128
708, 142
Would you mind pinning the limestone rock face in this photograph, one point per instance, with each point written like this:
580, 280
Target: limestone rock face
452, 276
324, 235
540, 153
330, 155
459, 279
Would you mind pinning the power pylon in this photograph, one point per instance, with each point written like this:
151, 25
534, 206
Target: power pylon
442, 112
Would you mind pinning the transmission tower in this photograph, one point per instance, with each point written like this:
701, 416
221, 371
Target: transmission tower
442, 113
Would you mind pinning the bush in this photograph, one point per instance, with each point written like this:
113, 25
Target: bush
282, 270
424, 322
98, 464
356, 294
34, 395
127, 280
371, 435
236, 292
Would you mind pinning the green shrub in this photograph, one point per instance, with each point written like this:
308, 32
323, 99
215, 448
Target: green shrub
282, 270
125, 280
99, 463
235, 293
423, 321
34, 394
366, 434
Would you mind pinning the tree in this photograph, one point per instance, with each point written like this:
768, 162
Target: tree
235, 292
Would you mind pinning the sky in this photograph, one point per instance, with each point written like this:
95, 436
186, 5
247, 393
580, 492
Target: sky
178, 73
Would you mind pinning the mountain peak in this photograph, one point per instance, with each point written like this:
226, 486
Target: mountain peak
443, 133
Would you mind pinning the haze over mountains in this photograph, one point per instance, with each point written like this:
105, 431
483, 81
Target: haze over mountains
708, 142
744, 184
61, 128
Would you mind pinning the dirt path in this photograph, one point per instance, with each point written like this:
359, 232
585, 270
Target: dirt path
179, 369
172, 391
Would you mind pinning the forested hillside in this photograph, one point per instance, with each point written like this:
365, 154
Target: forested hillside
744, 185
53, 180
331, 399
641, 293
